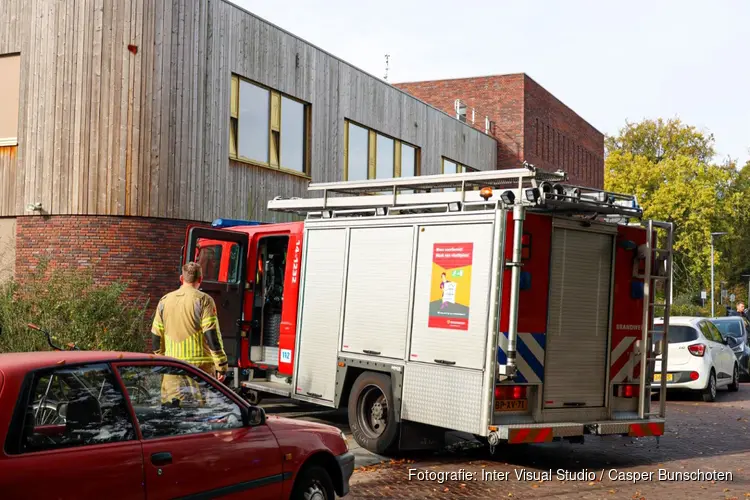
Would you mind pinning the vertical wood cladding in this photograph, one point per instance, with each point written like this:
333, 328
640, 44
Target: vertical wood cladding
125, 108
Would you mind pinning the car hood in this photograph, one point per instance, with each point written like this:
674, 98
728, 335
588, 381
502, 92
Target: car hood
304, 434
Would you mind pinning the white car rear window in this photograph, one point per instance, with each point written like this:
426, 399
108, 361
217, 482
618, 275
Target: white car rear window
678, 333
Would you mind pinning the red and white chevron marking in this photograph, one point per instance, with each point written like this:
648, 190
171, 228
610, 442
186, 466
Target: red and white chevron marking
622, 364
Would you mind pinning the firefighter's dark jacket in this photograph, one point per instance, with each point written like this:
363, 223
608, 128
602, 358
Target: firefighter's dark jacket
186, 327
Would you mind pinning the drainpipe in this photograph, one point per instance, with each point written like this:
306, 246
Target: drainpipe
519, 214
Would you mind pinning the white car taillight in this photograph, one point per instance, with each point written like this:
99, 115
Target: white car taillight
697, 349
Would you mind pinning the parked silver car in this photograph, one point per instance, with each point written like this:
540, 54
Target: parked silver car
735, 329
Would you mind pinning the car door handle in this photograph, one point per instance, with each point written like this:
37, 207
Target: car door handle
162, 458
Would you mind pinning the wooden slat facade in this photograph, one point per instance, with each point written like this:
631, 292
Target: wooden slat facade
105, 131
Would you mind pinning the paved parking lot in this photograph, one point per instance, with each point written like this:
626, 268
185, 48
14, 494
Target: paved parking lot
700, 437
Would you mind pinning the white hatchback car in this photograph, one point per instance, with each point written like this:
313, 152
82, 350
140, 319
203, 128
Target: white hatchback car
699, 358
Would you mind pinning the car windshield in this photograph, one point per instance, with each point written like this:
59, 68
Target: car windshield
729, 327
677, 333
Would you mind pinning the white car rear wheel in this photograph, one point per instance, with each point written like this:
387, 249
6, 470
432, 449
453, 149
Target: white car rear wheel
709, 393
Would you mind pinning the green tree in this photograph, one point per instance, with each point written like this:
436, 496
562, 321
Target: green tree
666, 164
657, 140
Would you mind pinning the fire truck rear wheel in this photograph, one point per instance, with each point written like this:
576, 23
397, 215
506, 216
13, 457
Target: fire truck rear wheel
372, 418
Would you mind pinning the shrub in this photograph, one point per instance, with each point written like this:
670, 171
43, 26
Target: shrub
73, 308
683, 305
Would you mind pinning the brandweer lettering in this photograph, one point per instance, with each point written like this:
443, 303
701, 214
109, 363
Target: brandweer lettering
295, 262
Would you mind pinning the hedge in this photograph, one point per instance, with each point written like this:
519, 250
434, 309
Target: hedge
72, 306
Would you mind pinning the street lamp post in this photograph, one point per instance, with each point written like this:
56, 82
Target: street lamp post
713, 314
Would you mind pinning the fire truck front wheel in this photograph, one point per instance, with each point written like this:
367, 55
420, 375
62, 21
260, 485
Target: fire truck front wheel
372, 418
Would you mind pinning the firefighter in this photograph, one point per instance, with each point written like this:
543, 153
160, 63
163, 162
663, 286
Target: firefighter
186, 327
741, 311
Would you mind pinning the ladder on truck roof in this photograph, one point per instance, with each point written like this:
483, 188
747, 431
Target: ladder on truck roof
657, 268
536, 189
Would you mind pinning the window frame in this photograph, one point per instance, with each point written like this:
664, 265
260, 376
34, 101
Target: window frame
187, 368
14, 106
13, 445
460, 167
275, 138
372, 152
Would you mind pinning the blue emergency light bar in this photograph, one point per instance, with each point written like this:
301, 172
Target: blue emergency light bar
220, 223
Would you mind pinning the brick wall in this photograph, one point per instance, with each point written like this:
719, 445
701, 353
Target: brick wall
498, 97
143, 253
556, 137
529, 123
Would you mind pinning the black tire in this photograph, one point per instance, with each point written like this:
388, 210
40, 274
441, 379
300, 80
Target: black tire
735, 385
313, 483
372, 416
709, 393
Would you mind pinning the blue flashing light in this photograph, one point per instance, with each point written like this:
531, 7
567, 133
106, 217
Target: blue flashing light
628, 245
636, 290
221, 223
525, 281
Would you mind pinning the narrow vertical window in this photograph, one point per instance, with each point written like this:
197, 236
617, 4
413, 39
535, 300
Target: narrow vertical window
384, 163
408, 161
357, 153
292, 135
10, 74
253, 127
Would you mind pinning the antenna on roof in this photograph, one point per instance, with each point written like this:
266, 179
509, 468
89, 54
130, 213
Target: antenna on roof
387, 56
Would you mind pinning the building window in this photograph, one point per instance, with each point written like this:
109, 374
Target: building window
268, 128
453, 167
10, 74
371, 155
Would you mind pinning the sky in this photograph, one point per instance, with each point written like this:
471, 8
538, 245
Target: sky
611, 62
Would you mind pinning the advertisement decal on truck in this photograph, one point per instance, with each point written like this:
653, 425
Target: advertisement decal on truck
450, 290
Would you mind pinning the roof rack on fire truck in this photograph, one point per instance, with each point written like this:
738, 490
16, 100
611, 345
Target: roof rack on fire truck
537, 189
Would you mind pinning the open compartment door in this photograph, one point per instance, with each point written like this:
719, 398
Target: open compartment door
222, 256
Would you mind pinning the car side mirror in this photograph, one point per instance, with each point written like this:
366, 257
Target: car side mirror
253, 416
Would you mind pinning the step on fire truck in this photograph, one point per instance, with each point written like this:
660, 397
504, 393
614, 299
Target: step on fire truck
505, 304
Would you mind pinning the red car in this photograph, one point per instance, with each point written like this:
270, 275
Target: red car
91, 425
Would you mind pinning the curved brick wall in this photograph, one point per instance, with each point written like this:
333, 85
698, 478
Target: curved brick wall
144, 253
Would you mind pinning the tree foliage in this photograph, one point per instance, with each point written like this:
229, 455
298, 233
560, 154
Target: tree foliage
668, 166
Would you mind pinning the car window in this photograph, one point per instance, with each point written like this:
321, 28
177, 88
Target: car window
74, 406
731, 328
677, 334
710, 333
703, 326
172, 401
715, 332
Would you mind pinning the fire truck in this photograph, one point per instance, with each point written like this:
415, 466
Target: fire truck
509, 305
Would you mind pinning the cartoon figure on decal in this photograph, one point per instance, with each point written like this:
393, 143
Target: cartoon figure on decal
448, 289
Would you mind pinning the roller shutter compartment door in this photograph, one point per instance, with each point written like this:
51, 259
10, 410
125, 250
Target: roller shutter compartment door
576, 358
